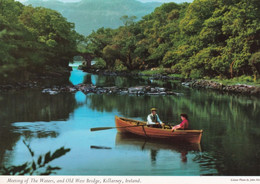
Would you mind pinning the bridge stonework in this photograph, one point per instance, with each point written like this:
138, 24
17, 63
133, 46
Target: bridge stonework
87, 59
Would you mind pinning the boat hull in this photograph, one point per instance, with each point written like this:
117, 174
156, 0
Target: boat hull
139, 128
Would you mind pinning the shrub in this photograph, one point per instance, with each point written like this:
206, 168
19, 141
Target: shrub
100, 63
119, 66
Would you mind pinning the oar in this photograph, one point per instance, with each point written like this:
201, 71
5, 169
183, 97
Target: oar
99, 147
107, 128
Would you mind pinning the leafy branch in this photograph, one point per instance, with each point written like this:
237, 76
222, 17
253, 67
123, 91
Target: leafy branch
35, 167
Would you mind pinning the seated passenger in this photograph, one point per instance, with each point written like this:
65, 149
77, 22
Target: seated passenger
183, 125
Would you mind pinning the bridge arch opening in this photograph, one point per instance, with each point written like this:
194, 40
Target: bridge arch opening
85, 59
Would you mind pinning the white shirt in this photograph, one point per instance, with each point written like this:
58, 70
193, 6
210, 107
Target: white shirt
150, 122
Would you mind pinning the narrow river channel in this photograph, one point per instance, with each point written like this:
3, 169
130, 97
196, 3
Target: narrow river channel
230, 142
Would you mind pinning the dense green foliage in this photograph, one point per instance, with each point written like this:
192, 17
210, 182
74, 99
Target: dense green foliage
33, 40
204, 38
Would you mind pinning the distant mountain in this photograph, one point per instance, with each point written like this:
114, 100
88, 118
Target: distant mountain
90, 15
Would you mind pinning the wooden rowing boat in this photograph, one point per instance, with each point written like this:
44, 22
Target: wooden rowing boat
140, 128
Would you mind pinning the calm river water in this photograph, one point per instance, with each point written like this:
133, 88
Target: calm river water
230, 142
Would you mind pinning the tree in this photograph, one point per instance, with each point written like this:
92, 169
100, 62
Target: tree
33, 40
127, 21
255, 64
203, 38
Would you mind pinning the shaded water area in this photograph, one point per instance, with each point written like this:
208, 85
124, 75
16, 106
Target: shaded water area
230, 142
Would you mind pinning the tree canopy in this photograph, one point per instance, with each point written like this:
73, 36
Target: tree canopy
203, 38
33, 40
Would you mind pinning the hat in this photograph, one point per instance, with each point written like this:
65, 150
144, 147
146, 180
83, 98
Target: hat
153, 109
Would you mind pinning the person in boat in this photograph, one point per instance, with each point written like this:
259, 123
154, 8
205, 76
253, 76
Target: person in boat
183, 125
153, 119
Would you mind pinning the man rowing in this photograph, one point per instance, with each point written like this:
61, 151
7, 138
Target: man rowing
153, 119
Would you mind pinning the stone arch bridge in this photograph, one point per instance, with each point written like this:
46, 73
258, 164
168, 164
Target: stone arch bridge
87, 58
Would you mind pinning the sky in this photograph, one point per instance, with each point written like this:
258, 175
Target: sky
144, 1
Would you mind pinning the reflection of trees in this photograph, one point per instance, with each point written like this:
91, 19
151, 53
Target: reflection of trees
87, 79
126, 81
229, 123
7, 140
35, 106
30, 106
119, 81
131, 106
226, 111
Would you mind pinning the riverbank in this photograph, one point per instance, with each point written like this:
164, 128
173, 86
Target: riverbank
235, 88
57, 77
226, 86
54, 82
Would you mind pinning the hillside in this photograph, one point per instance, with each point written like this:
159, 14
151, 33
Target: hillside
90, 15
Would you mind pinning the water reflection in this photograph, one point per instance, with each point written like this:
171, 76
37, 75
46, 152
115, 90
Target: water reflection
154, 146
230, 124
130, 141
31, 106
119, 81
202, 109
153, 156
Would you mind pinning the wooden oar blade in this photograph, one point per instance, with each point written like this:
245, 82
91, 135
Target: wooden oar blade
101, 128
106, 128
99, 147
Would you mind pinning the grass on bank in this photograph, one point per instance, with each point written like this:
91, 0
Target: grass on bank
248, 80
161, 71
244, 79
